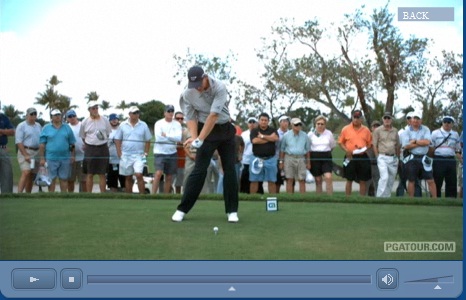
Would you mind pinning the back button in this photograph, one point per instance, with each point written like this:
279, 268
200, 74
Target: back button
34, 278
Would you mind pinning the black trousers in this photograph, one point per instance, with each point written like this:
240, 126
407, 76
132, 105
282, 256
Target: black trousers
444, 168
222, 139
400, 190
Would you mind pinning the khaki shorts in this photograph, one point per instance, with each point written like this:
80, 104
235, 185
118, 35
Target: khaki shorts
295, 167
26, 166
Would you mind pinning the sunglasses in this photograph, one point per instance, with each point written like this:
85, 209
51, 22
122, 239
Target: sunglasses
320, 124
299, 124
180, 119
72, 116
135, 112
447, 122
387, 118
408, 118
252, 122
170, 111
56, 115
33, 114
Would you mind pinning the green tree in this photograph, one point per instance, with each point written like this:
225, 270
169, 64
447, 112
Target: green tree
92, 96
105, 105
50, 96
151, 112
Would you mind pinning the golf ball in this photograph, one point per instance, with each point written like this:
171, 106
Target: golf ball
215, 228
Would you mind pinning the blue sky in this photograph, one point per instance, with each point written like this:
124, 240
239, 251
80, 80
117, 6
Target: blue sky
123, 48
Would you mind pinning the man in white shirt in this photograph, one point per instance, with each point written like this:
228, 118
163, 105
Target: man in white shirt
167, 134
447, 149
132, 141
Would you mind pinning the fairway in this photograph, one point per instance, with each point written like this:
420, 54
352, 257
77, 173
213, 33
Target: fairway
130, 229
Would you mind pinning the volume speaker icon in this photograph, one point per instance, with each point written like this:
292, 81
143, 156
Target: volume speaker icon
387, 279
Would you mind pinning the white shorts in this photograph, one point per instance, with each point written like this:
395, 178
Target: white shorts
131, 164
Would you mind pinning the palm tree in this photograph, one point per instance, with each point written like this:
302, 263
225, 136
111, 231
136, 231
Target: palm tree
105, 105
11, 112
49, 97
92, 96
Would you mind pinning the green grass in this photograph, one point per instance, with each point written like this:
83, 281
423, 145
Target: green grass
123, 227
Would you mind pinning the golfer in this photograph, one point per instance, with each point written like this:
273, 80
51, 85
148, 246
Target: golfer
205, 106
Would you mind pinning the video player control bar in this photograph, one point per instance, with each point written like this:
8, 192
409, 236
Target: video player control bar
333, 279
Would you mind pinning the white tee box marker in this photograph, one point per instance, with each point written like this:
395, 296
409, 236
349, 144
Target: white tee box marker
271, 204
70, 279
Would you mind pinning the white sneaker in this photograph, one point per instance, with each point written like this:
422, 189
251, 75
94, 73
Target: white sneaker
178, 216
233, 217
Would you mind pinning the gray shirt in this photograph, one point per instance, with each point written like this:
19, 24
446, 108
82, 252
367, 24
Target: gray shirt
28, 134
198, 106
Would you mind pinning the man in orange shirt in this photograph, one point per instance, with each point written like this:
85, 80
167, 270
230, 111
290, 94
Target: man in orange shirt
355, 139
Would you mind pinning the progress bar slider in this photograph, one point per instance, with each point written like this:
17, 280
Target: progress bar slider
332, 279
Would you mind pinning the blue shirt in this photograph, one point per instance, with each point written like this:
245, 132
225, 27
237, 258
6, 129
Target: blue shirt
57, 141
295, 144
4, 124
422, 134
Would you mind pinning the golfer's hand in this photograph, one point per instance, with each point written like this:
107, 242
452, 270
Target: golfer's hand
197, 143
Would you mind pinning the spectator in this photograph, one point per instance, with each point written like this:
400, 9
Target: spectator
294, 156
284, 125
321, 146
132, 141
375, 176
27, 140
446, 142
355, 139
76, 172
179, 179
6, 169
94, 132
386, 145
113, 174
416, 140
205, 104
263, 166
167, 134
400, 190
57, 148
245, 184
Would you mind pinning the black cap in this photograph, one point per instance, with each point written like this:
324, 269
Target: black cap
195, 76
169, 107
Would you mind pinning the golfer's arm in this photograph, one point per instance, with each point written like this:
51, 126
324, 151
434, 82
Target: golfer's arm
208, 126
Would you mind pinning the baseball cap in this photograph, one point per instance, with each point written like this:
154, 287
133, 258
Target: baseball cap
388, 114
417, 114
295, 121
92, 104
71, 112
31, 110
195, 75
169, 107
133, 109
427, 163
252, 119
283, 118
113, 117
357, 113
55, 112
448, 118
375, 123
409, 115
